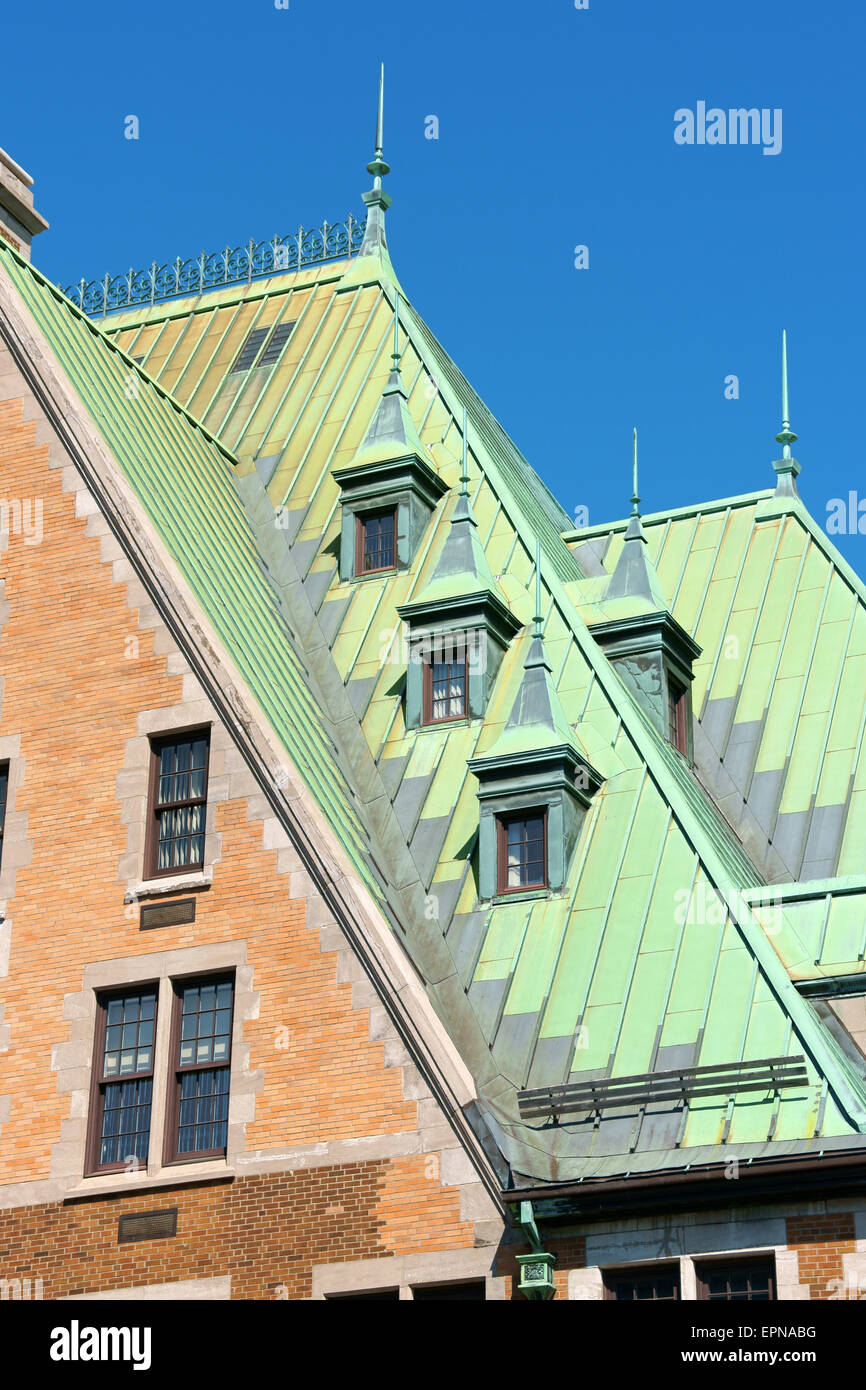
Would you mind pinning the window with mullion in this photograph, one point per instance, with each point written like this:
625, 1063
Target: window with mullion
659, 1285
201, 1058
445, 690
377, 542
737, 1281
178, 803
122, 1089
523, 852
677, 716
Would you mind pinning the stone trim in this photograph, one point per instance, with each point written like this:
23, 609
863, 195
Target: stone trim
405, 1271
182, 1291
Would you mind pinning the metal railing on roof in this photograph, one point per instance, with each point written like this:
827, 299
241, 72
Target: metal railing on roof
235, 265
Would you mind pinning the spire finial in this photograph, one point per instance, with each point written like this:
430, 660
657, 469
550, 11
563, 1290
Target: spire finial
537, 620
786, 436
635, 499
377, 166
464, 470
395, 355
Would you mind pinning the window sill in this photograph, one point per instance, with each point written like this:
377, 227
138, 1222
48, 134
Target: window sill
114, 1183
173, 883
531, 894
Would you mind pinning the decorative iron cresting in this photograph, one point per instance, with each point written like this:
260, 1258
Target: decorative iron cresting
235, 265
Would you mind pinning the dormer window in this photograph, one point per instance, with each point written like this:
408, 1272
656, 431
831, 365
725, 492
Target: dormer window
446, 684
677, 711
376, 541
522, 852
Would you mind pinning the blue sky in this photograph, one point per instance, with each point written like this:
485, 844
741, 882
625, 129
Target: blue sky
555, 130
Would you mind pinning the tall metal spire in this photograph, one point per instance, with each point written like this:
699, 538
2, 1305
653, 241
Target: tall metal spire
377, 165
635, 499
464, 469
395, 355
787, 466
536, 632
786, 436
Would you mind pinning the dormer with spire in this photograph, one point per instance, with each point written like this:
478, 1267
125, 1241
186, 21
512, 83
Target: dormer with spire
389, 491
652, 652
373, 263
534, 785
459, 625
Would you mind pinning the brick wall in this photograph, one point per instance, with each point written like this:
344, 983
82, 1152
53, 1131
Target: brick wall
820, 1242
266, 1231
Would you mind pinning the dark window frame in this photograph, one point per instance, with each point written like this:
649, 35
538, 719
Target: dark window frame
503, 821
98, 1083
641, 1273
154, 807
361, 519
765, 1263
677, 710
5, 767
171, 1156
427, 715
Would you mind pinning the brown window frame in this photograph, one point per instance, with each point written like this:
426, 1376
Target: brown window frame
677, 708
171, 1155
154, 808
502, 823
612, 1277
427, 707
361, 519
765, 1263
98, 1083
4, 801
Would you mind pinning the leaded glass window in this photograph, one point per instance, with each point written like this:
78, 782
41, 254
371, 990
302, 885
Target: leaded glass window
179, 803
202, 1043
123, 1091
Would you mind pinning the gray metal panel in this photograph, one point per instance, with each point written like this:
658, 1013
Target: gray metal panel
331, 617
764, 797
391, 771
790, 836
515, 1041
550, 1061
740, 753
427, 842
716, 720
486, 998
360, 693
679, 1055
824, 842
465, 936
410, 798
317, 585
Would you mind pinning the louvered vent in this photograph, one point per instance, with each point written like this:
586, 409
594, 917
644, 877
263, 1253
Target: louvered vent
276, 343
250, 350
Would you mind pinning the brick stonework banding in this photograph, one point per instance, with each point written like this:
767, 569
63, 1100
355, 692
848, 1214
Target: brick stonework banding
821, 1242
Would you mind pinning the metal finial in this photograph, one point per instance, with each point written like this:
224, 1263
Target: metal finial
635, 499
537, 632
395, 355
377, 165
464, 472
786, 436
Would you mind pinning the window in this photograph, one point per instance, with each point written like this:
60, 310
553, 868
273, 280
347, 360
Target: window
122, 1088
661, 1284
445, 685
377, 1296
677, 715
201, 1041
4, 793
376, 542
461, 1293
250, 350
178, 797
276, 343
522, 852
737, 1281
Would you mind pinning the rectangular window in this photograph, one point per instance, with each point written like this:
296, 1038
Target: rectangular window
445, 689
201, 1043
250, 350
4, 793
677, 716
471, 1292
660, 1284
122, 1088
522, 852
737, 1281
276, 343
376, 542
178, 803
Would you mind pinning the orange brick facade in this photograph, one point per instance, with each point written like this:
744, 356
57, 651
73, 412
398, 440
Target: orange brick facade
78, 668
820, 1242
